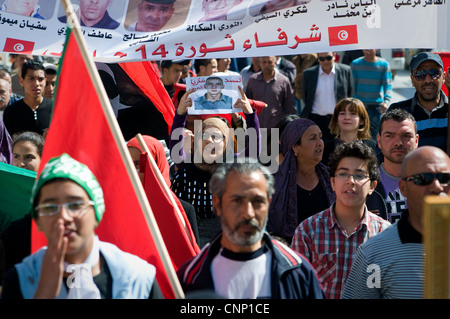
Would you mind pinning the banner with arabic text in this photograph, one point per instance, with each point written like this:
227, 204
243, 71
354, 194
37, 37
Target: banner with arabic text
120, 31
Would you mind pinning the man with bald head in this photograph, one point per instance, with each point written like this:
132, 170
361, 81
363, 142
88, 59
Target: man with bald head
391, 264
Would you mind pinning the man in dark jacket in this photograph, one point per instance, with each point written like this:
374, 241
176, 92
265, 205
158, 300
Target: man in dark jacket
244, 262
323, 86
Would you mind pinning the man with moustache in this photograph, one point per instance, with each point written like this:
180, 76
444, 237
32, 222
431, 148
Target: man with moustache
397, 137
429, 106
244, 262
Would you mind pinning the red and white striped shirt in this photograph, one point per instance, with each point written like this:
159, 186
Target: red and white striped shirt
330, 249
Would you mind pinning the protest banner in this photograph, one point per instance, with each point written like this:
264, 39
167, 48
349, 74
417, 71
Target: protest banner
241, 29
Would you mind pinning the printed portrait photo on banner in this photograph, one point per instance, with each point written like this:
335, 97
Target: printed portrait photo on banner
215, 10
259, 7
156, 15
214, 94
102, 14
40, 9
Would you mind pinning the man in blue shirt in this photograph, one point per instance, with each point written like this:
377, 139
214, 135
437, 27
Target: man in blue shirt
214, 99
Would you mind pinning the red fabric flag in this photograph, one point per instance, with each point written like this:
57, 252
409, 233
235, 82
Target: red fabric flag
145, 77
179, 239
445, 56
80, 128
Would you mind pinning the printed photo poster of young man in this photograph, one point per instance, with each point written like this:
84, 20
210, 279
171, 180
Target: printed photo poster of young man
101, 14
40, 9
156, 15
214, 94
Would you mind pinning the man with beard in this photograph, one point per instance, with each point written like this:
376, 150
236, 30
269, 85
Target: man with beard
429, 106
244, 261
396, 138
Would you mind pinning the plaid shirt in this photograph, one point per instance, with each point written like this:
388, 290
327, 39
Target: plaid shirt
330, 249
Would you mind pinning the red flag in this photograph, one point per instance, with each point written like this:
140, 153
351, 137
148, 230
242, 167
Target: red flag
175, 230
145, 77
18, 46
445, 56
346, 34
81, 128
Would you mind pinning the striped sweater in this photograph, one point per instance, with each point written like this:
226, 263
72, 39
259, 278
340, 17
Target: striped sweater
390, 265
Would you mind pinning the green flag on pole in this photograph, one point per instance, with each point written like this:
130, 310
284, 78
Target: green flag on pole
15, 190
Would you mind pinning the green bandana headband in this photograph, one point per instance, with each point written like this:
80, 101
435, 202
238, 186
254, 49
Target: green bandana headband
65, 166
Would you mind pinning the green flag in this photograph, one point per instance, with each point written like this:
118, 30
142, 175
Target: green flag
15, 190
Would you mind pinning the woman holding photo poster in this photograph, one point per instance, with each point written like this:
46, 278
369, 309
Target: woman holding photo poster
213, 144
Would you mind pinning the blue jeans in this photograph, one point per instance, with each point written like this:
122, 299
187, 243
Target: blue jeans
373, 109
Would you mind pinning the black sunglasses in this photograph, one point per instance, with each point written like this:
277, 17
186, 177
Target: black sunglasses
323, 58
422, 74
424, 179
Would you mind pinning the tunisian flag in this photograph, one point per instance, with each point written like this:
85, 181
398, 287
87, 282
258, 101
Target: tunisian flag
83, 125
143, 74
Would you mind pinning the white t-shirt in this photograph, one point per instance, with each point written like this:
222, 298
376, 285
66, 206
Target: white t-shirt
324, 99
242, 275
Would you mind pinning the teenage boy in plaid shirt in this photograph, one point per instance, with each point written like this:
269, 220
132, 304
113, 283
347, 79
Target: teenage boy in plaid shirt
330, 238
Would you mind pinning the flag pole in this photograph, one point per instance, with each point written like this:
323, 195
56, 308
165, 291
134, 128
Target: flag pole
163, 183
74, 24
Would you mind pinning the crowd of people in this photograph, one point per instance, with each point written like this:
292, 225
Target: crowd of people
351, 174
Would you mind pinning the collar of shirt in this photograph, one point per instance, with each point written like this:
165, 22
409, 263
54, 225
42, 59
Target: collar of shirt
442, 101
333, 222
333, 71
406, 232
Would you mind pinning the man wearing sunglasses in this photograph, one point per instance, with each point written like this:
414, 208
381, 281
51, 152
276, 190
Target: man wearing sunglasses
391, 264
323, 86
429, 106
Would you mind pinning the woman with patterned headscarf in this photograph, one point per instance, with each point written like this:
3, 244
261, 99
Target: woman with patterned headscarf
302, 183
213, 144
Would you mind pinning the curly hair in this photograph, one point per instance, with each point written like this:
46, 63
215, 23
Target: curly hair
358, 150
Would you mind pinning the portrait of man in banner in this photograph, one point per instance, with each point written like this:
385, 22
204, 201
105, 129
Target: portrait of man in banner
33, 8
214, 10
156, 15
259, 7
97, 14
215, 94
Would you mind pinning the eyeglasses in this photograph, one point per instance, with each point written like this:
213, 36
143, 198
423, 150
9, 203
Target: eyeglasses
343, 176
422, 74
323, 58
424, 179
215, 137
75, 209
